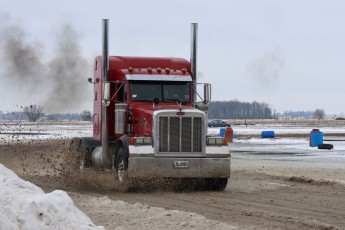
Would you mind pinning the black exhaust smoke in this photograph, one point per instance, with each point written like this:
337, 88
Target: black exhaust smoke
57, 83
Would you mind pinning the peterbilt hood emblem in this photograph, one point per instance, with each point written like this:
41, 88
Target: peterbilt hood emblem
180, 113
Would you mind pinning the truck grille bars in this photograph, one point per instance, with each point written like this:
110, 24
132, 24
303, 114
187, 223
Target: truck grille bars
180, 134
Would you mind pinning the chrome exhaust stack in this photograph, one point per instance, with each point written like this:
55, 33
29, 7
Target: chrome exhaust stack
203, 105
193, 57
101, 156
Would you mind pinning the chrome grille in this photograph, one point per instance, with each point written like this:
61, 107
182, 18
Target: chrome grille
180, 134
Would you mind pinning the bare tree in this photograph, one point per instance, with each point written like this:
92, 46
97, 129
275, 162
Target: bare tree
33, 112
319, 114
85, 115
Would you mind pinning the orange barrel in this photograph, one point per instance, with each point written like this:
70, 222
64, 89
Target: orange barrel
229, 135
316, 138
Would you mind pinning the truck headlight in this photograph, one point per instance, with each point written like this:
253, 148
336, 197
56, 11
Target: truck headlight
215, 141
141, 140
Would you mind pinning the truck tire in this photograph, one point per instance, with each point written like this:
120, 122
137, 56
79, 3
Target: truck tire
216, 184
121, 166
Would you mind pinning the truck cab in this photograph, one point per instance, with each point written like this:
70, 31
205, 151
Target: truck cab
147, 122
153, 125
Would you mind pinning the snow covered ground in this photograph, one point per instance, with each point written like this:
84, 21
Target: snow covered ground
288, 148
298, 147
24, 131
26, 206
23, 205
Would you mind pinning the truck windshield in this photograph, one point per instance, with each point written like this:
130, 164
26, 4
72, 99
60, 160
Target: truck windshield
164, 91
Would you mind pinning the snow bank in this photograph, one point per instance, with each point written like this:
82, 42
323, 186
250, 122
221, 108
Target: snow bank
23, 205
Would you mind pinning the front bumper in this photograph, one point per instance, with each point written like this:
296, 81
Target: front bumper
144, 164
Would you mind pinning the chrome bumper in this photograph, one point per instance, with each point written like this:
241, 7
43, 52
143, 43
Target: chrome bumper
145, 164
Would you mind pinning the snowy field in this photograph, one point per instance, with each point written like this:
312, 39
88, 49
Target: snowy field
23, 131
26, 206
295, 147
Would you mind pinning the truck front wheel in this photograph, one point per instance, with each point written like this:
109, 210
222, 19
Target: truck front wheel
121, 165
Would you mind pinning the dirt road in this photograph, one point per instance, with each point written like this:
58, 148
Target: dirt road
261, 194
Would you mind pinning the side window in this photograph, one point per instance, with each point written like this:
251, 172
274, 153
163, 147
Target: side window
121, 94
124, 92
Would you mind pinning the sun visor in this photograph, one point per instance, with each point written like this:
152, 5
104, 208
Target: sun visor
160, 77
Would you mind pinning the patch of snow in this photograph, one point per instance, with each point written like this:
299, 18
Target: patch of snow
23, 205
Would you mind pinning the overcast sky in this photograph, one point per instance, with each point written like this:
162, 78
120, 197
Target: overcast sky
289, 54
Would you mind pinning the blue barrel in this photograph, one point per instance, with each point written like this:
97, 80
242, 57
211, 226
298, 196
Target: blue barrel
235, 135
222, 132
267, 134
316, 138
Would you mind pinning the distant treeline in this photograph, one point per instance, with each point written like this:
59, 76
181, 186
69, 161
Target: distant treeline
217, 110
15, 116
11, 116
296, 114
239, 110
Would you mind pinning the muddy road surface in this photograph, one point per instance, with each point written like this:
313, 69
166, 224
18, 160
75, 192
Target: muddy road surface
261, 194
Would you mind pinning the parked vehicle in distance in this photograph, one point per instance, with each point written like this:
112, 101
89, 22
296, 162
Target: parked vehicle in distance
218, 123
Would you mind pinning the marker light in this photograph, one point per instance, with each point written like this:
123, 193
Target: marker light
159, 69
184, 70
149, 69
130, 69
140, 140
167, 70
225, 142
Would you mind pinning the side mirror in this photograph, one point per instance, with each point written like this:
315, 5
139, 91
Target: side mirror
207, 93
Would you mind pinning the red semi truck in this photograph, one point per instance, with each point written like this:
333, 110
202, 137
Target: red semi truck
147, 121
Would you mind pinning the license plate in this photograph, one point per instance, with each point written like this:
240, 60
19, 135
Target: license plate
181, 164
